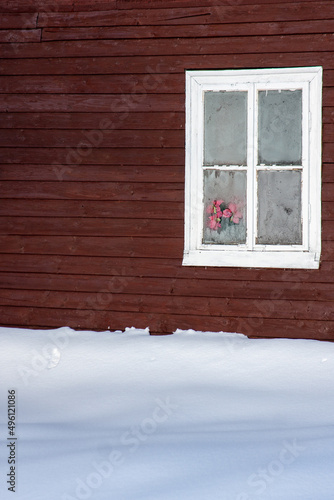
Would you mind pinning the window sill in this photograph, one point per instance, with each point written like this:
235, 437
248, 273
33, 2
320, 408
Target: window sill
282, 260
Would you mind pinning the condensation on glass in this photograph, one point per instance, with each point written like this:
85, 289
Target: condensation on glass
280, 127
224, 207
279, 207
225, 128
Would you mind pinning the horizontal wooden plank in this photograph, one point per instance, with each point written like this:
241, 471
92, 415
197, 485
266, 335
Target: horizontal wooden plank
158, 4
96, 208
107, 301
117, 191
20, 36
124, 103
59, 6
328, 230
98, 84
171, 46
328, 191
18, 21
193, 15
327, 114
102, 246
87, 5
164, 324
188, 31
101, 173
327, 211
328, 132
129, 225
176, 287
67, 158
88, 139
327, 172
328, 152
156, 268
162, 64
79, 121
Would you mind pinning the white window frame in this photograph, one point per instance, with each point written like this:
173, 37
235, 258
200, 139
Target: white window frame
305, 256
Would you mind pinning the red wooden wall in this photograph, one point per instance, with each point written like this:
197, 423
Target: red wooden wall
92, 164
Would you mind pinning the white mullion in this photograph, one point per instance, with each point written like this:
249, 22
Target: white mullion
305, 187
251, 146
225, 167
198, 210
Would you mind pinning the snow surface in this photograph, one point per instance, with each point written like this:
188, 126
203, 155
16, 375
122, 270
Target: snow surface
190, 416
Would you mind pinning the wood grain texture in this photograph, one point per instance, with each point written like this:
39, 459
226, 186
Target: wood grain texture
90, 208
20, 36
67, 158
150, 228
87, 121
47, 6
107, 84
90, 173
156, 268
170, 46
189, 31
92, 118
206, 289
108, 191
93, 138
163, 64
88, 5
170, 305
157, 4
20, 20
192, 15
163, 323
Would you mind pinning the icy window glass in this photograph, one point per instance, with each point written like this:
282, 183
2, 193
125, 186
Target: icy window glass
280, 127
279, 207
225, 128
225, 207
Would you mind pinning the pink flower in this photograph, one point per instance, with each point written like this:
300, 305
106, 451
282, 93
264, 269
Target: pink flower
215, 214
236, 215
214, 223
227, 213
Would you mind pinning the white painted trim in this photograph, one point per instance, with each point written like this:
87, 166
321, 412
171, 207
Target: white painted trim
212, 258
306, 255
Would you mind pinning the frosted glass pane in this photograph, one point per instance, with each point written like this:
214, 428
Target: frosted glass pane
224, 207
279, 207
280, 127
225, 128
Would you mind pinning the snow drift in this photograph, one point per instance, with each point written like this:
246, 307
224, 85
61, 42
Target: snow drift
191, 416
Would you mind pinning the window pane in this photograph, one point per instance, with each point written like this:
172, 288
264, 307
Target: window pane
279, 207
280, 127
224, 207
225, 128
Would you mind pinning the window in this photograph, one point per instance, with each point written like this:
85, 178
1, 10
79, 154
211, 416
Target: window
253, 168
